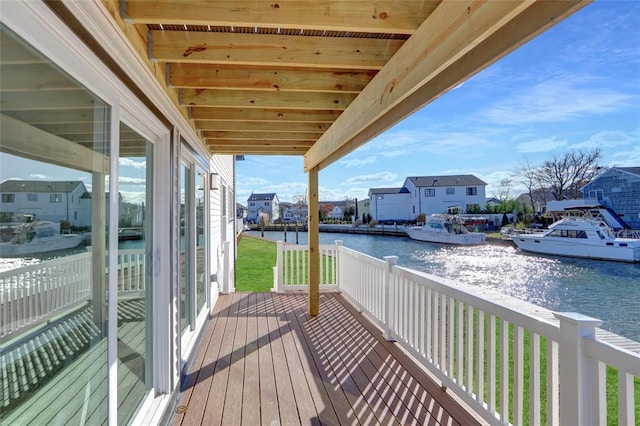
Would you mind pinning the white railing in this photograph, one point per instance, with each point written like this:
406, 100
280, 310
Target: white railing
131, 270
291, 271
509, 360
32, 294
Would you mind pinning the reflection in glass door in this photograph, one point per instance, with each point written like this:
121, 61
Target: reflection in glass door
185, 225
54, 170
193, 242
135, 285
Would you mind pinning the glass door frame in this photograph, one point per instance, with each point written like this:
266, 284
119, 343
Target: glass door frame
195, 163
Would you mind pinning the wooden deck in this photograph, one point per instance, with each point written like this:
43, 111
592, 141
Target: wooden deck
263, 361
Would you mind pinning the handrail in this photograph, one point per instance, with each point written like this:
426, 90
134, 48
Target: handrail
475, 344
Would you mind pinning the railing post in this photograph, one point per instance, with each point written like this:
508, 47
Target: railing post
277, 270
337, 264
389, 302
578, 371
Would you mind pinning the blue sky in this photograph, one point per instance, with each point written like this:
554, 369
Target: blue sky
576, 86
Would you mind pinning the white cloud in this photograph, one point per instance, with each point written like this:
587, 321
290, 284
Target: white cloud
541, 145
123, 180
256, 181
374, 177
357, 162
560, 99
609, 139
127, 162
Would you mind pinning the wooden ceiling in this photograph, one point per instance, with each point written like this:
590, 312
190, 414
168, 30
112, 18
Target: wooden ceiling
318, 78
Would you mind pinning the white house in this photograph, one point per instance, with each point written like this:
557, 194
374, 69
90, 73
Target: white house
55, 201
440, 194
294, 212
263, 204
390, 204
428, 195
336, 213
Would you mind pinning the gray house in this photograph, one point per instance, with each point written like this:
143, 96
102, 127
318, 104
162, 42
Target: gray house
54, 201
263, 204
618, 188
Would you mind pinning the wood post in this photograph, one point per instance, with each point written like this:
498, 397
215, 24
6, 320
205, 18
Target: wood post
389, 299
314, 246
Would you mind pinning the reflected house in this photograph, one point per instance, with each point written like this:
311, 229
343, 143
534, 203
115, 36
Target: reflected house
96, 89
53, 201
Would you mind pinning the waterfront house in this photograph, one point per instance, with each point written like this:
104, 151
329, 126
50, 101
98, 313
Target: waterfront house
617, 188
390, 204
264, 206
428, 195
54, 201
154, 102
293, 212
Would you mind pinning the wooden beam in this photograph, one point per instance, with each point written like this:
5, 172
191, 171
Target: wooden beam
271, 50
262, 136
256, 150
263, 114
24, 140
263, 126
262, 99
461, 40
207, 76
314, 243
354, 15
259, 142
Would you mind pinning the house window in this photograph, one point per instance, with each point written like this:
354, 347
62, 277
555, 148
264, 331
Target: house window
451, 191
55, 198
252, 204
430, 192
380, 197
266, 203
8, 198
596, 194
32, 197
472, 190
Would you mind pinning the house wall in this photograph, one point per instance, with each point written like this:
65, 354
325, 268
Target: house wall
167, 345
440, 202
620, 191
391, 207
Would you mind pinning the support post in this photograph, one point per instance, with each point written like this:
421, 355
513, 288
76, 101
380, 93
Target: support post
577, 370
314, 246
389, 302
336, 262
277, 270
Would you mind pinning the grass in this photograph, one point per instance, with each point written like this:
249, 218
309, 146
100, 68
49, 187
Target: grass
254, 272
254, 265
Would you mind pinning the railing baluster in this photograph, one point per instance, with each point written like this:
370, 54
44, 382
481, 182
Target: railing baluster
469, 346
504, 371
534, 379
518, 375
491, 365
480, 357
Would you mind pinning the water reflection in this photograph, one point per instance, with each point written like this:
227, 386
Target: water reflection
606, 290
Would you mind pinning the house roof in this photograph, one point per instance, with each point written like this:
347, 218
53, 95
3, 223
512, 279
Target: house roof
314, 79
388, 190
262, 197
632, 170
17, 185
452, 180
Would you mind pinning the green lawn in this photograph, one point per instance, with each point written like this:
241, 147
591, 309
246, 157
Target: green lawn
254, 265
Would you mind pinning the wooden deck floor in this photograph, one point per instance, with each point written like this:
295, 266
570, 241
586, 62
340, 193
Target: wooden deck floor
264, 362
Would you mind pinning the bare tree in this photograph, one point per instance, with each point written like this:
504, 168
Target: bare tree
300, 199
565, 175
529, 177
506, 185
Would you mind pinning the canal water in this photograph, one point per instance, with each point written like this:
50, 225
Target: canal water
609, 291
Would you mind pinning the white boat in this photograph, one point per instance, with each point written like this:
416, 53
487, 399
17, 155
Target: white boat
582, 237
38, 237
445, 229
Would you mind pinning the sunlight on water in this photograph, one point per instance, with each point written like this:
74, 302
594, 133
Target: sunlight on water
609, 291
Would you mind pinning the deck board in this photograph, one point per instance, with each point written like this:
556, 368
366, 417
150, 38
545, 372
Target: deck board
264, 361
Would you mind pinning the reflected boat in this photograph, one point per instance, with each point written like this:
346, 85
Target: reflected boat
38, 237
130, 234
